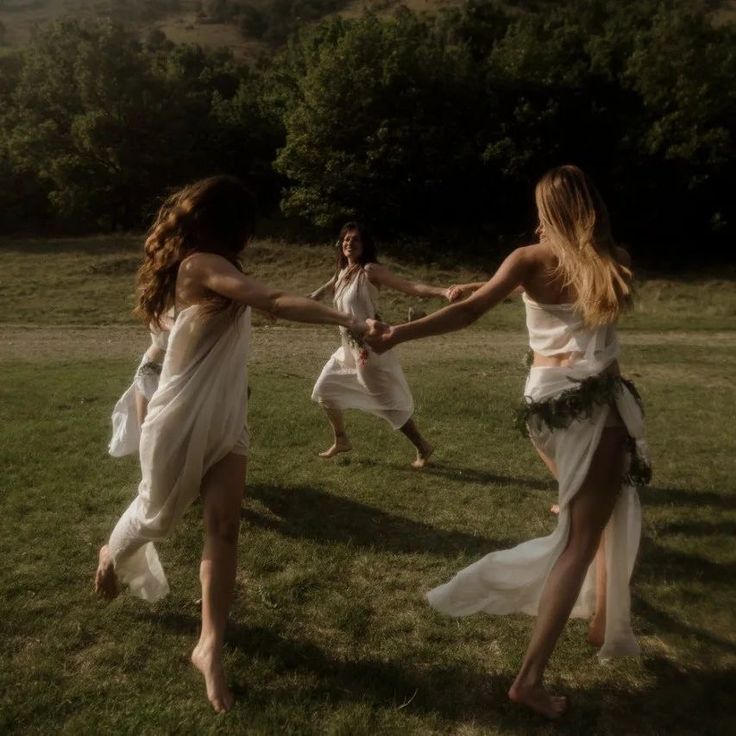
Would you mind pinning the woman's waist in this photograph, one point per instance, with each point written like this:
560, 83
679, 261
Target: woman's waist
575, 361
154, 354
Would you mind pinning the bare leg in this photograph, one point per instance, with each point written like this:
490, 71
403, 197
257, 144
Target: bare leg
589, 512
550, 463
106, 581
597, 628
341, 443
424, 449
141, 406
222, 494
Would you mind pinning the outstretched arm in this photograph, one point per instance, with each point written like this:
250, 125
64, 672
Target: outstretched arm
511, 274
460, 291
318, 294
382, 276
215, 274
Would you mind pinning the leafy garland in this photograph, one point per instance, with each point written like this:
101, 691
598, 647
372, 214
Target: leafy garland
150, 369
559, 412
357, 343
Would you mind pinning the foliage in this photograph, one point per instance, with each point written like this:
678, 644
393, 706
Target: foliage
424, 125
105, 124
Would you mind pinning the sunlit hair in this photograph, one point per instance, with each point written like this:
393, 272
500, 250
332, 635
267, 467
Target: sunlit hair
368, 253
574, 221
215, 215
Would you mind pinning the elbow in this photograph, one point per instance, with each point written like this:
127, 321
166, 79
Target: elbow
276, 306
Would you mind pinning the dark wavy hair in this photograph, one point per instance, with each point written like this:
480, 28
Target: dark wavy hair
368, 255
214, 215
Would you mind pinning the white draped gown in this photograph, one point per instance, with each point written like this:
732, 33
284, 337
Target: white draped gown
355, 377
511, 581
197, 416
126, 431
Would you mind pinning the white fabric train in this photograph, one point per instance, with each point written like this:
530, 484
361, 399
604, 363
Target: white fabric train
357, 378
510, 581
197, 415
126, 431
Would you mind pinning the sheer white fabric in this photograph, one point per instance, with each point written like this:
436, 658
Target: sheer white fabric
197, 415
126, 431
357, 378
512, 580
558, 328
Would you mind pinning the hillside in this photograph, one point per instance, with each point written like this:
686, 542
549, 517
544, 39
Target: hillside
247, 27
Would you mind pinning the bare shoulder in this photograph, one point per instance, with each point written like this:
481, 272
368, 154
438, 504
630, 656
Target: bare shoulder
375, 271
528, 257
622, 256
200, 263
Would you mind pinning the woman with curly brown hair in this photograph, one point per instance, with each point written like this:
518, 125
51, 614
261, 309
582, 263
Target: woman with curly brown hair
194, 440
584, 419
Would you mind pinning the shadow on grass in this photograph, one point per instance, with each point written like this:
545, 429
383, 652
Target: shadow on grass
658, 563
652, 496
305, 512
661, 623
676, 702
679, 702
467, 475
699, 528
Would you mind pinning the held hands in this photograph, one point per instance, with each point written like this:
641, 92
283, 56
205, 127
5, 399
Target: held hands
381, 341
369, 328
457, 292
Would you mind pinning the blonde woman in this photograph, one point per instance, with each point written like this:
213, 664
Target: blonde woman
355, 377
194, 442
581, 415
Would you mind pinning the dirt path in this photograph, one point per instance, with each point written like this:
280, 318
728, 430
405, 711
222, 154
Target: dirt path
44, 343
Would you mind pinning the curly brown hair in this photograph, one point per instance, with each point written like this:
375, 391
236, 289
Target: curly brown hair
214, 215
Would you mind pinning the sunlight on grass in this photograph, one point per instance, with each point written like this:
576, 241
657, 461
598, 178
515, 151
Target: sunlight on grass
330, 633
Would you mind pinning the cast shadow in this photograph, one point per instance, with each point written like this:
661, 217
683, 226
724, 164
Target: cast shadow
305, 512
679, 702
653, 496
467, 475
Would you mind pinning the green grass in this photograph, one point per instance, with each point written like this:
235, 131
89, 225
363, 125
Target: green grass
330, 634
89, 282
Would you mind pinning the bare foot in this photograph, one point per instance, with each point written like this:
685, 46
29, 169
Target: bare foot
106, 581
597, 631
210, 665
539, 700
554, 508
341, 444
423, 456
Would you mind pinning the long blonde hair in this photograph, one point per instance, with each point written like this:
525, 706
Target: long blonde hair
574, 221
214, 215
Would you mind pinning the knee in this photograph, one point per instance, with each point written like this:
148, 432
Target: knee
223, 527
583, 546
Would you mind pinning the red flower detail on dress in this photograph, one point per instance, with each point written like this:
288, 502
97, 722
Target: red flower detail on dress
363, 356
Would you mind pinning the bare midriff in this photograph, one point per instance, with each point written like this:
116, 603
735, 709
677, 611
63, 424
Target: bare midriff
564, 360
155, 354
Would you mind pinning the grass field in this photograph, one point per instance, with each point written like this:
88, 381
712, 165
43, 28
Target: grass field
330, 634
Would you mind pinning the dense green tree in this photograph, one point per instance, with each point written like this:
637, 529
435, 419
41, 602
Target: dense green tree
378, 125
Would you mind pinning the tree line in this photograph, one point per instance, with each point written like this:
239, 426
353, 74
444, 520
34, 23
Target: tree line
432, 126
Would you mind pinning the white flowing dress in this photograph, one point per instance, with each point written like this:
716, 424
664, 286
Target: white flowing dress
196, 417
355, 377
126, 431
512, 580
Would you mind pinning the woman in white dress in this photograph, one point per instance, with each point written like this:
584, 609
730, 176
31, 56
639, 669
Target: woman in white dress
355, 377
581, 415
130, 409
194, 440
